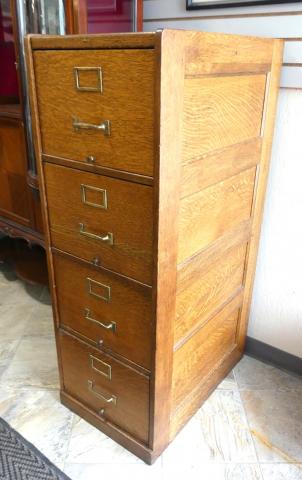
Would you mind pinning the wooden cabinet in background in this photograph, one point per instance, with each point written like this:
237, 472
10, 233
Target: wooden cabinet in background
20, 207
152, 242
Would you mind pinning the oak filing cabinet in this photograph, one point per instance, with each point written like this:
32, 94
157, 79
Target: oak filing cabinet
154, 152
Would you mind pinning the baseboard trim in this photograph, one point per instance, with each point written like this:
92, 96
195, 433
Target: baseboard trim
268, 354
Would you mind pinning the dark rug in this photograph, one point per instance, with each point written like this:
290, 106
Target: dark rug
20, 460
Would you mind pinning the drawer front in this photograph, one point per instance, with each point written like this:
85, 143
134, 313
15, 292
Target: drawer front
101, 217
105, 308
92, 87
111, 389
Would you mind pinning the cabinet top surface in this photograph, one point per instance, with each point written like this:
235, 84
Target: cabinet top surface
131, 40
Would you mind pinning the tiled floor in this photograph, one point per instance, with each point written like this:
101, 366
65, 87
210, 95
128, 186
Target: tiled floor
249, 429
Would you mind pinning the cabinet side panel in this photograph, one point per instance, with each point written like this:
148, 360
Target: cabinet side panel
169, 95
228, 116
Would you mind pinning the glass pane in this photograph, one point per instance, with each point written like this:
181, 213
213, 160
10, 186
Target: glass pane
45, 16
8, 74
109, 16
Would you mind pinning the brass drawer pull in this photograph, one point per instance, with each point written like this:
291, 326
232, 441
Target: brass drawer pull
99, 79
105, 289
107, 238
112, 399
95, 361
107, 326
85, 189
103, 126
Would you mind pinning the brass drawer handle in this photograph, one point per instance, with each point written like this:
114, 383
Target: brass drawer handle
112, 399
107, 326
99, 79
105, 289
107, 238
95, 361
85, 189
103, 126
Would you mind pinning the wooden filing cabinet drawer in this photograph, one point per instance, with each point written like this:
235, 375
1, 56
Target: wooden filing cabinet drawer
97, 86
101, 217
118, 393
105, 307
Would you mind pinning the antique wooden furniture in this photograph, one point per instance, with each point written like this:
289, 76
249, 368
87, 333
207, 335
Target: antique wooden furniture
20, 209
19, 204
154, 153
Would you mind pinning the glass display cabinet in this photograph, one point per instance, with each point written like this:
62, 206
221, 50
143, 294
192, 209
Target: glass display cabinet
20, 211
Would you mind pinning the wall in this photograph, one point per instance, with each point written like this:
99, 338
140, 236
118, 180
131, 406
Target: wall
276, 311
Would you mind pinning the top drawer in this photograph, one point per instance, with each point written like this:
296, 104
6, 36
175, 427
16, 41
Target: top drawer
80, 90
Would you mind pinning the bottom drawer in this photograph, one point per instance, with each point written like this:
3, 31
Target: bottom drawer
117, 392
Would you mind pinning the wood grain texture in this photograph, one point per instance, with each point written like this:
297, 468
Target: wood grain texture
131, 336
206, 386
14, 195
212, 53
169, 109
109, 172
221, 111
131, 252
131, 389
207, 290
268, 130
110, 429
105, 41
194, 235
214, 167
210, 213
195, 359
127, 102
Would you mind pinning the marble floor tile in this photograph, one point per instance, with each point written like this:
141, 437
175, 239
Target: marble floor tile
13, 291
7, 350
40, 322
113, 472
14, 319
275, 420
40, 418
279, 471
34, 364
228, 383
45, 297
253, 374
217, 433
214, 471
89, 445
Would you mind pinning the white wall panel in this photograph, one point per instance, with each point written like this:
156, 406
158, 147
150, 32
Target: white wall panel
276, 313
285, 26
176, 8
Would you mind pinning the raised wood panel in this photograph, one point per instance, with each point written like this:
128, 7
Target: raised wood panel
221, 111
202, 391
220, 165
131, 333
214, 53
127, 102
207, 291
83, 364
196, 358
209, 214
14, 199
128, 217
